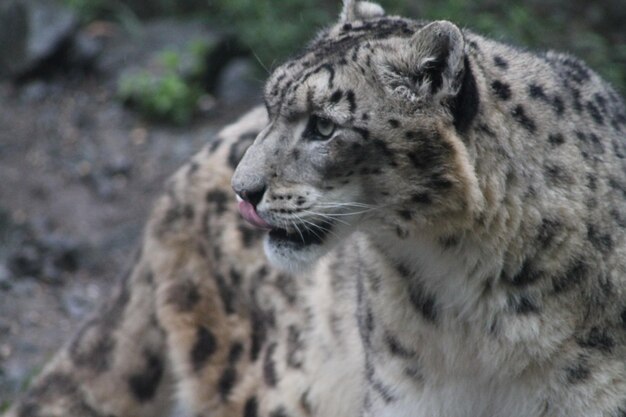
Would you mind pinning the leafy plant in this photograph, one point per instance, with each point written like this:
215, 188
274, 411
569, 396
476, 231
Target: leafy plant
170, 94
275, 29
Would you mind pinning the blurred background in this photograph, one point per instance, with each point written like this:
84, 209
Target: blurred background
101, 100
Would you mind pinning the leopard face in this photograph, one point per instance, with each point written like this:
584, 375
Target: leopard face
361, 137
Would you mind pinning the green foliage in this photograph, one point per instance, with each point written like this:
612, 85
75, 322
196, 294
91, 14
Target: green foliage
117, 10
4, 406
538, 26
170, 94
272, 29
275, 29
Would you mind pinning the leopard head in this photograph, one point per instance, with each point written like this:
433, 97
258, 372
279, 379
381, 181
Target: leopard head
365, 134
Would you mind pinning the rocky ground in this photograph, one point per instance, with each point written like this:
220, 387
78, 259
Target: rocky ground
78, 173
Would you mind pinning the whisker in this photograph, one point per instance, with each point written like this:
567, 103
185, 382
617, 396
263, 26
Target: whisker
325, 216
319, 227
298, 229
342, 204
352, 213
309, 229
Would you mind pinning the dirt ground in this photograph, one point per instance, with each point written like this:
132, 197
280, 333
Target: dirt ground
78, 173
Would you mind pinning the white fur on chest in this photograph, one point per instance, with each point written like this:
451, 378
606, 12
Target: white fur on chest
468, 371
466, 397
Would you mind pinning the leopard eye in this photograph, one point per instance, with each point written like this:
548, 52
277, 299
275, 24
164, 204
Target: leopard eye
324, 127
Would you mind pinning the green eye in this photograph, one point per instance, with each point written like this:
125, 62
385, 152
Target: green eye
324, 127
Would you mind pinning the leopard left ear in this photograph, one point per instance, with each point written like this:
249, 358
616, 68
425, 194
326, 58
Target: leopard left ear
360, 10
431, 64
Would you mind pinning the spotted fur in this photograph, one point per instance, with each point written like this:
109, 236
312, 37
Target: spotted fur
454, 247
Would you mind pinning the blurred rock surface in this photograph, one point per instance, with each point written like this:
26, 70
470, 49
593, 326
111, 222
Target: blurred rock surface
32, 31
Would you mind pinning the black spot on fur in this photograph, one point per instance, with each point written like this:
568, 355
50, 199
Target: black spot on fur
595, 113
536, 91
305, 402
556, 139
558, 105
193, 168
238, 148
412, 135
393, 123
547, 230
259, 333
575, 70
336, 96
396, 348
175, 213
526, 276
363, 132
421, 198
592, 181
601, 102
229, 376
579, 372
269, 366
523, 305
623, 318
251, 408
383, 150
382, 390
574, 275
183, 295
556, 175
576, 99
591, 142
286, 285
449, 242
351, 101
466, 103
429, 154
598, 339
214, 145
227, 293
249, 236
500, 62
601, 241
144, 385
227, 382
295, 346
423, 303
519, 114
279, 412
501, 90
204, 347
219, 198
93, 346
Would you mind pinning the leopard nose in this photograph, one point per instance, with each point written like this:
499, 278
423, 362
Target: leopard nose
253, 195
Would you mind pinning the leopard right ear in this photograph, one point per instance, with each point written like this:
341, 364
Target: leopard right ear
360, 10
430, 65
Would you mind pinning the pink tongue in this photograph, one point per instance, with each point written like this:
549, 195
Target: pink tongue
249, 213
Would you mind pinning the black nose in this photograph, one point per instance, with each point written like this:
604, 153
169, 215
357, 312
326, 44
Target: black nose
253, 196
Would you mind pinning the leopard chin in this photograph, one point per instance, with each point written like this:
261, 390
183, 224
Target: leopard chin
297, 250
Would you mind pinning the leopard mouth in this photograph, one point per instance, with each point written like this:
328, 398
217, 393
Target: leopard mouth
301, 235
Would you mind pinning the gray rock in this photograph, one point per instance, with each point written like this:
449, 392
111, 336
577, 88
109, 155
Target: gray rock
5, 281
30, 32
238, 82
130, 53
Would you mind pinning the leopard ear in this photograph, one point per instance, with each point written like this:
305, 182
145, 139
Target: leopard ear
360, 10
430, 65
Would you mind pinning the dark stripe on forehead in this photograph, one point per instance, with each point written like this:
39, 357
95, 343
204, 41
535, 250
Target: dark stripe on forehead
331, 49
